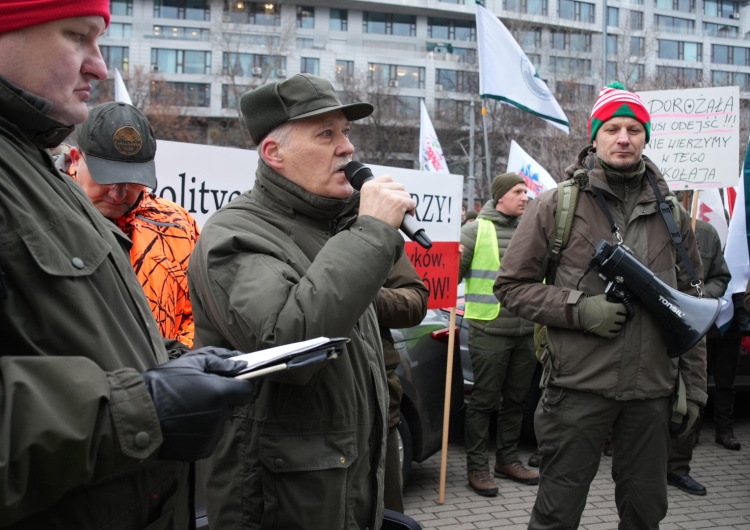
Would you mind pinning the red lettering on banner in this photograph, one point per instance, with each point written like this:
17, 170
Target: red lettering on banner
438, 268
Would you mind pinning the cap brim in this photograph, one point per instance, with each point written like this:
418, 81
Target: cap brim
353, 111
107, 172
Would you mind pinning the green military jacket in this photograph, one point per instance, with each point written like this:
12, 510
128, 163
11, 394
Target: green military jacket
281, 265
78, 429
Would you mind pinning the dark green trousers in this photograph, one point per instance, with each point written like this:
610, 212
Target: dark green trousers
503, 368
571, 427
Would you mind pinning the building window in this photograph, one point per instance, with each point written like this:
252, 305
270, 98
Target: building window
253, 65
531, 7
304, 42
735, 55
309, 65
679, 76
578, 11
721, 8
257, 13
611, 44
674, 25
305, 17
181, 94
344, 71
396, 76
679, 50
451, 29
339, 20
457, 81
180, 33
741, 79
452, 112
465, 55
389, 24
721, 30
400, 107
636, 20
575, 42
180, 61
535, 59
637, 46
683, 6
118, 30
182, 9
230, 95
570, 92
570, 66
529, 38
121, 7
613, 17
116, 57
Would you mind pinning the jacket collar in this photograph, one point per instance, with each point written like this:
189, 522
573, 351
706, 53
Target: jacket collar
28, 113
293, 200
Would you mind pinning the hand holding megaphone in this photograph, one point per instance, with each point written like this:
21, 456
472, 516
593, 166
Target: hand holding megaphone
381, 205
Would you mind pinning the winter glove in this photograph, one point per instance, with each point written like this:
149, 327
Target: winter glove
194, 396
678, 430
597, 315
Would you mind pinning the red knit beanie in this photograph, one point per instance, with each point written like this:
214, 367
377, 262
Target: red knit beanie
614, 101
18, 14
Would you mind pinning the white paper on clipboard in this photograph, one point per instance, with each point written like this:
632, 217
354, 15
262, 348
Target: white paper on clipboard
282, 357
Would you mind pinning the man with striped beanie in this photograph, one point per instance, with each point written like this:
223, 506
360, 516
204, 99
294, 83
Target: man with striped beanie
605, 365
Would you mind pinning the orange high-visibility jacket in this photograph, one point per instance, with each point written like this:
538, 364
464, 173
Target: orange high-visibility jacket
163, 235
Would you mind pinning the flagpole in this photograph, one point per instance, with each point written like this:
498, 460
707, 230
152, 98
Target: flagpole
487, 166
471, 178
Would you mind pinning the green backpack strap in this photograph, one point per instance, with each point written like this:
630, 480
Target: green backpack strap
567, 199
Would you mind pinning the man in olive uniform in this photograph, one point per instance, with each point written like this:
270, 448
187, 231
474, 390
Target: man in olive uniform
605, 370
88, 418
501, 344
301, 256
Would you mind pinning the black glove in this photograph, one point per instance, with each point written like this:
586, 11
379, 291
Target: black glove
194, 396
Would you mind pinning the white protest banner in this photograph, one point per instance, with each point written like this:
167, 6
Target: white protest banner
203, 178
695, 135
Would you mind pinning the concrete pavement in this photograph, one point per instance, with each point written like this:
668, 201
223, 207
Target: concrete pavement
726, 475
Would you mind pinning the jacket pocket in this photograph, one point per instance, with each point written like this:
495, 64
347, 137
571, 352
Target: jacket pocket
306, 479
69, 248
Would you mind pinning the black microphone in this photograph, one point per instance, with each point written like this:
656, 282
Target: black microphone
357, 174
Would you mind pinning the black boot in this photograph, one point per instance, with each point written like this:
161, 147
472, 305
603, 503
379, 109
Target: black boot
727, 439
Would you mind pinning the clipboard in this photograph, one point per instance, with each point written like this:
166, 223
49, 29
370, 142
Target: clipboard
290, 356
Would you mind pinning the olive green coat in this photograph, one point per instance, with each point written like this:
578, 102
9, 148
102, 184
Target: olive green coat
76, 331
273, 267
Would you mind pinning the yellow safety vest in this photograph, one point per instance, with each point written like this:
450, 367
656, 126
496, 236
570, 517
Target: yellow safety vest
481, 302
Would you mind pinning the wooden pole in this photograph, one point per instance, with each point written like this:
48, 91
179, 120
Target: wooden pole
694, 208
447, 405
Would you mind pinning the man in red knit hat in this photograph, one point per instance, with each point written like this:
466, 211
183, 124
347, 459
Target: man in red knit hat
606, 365
95, 428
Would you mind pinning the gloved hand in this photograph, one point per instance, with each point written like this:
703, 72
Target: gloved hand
691, 416
597, 315
194, 396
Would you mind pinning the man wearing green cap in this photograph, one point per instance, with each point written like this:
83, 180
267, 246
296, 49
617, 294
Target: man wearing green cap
501, 344
606, 367
301, 256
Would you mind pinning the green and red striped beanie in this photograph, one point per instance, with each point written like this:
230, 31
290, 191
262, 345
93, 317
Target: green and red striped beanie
615, 101
19, 14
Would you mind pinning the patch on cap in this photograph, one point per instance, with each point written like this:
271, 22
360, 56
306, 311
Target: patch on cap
127, 140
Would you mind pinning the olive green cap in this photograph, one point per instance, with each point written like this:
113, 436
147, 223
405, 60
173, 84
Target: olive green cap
301, 96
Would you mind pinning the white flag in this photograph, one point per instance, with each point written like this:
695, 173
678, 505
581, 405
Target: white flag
536, 177
736, 253
507, 75
711, 210
430, 153
121, 91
